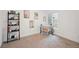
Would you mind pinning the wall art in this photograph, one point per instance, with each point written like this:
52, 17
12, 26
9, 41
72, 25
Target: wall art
26, 13
35, 15
31, 24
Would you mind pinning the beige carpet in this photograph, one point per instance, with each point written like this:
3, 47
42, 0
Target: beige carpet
41, 41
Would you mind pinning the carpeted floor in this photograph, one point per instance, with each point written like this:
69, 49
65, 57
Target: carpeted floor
41, 41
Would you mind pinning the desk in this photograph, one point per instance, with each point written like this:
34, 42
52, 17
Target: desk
46, 29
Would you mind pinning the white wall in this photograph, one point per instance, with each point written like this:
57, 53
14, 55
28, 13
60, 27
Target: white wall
1, 27
68, 25
4, 30
0, 31
24, 23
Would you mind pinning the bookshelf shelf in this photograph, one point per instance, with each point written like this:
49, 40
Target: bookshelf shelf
13, 27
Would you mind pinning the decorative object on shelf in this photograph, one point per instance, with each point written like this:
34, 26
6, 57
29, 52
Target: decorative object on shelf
12, 22
26, 13
11, 17
31, 24
12, 36
15, 17
13, 28
35, 15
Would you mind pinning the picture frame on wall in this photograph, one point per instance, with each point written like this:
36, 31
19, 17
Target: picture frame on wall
26, 14
35, 15
31, 24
